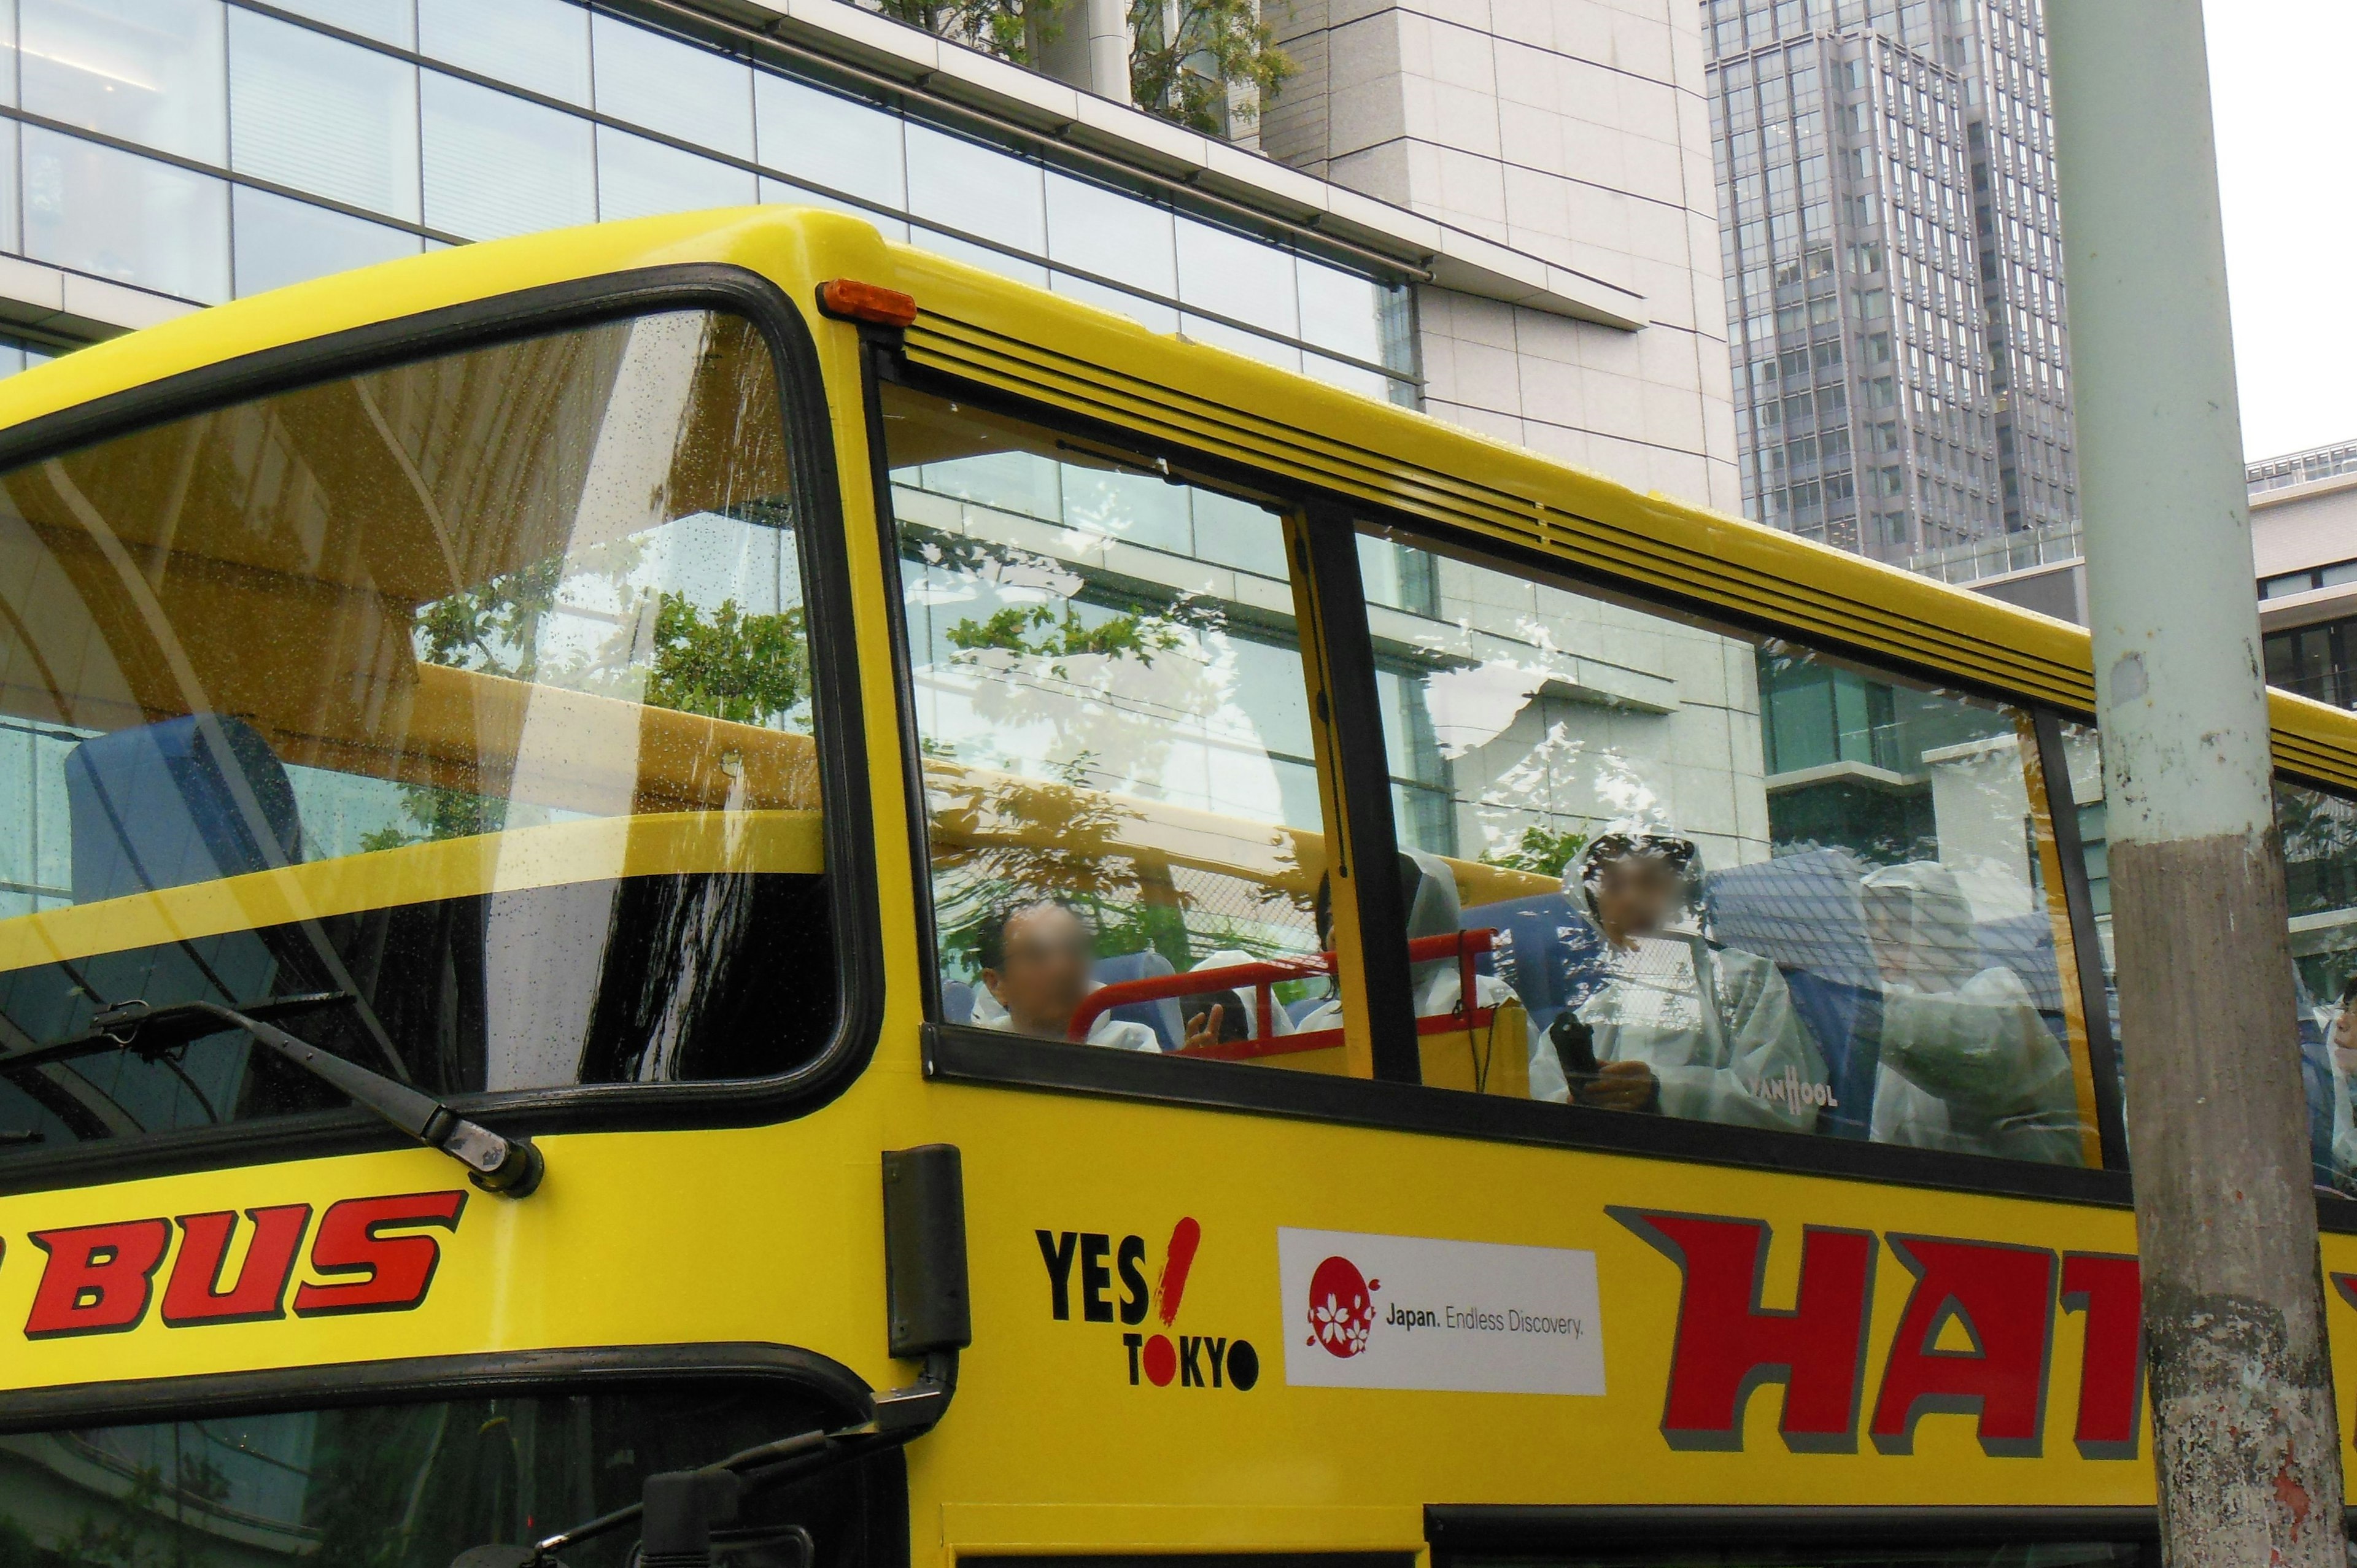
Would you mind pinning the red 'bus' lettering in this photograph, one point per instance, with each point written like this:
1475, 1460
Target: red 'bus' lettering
194, 1294
1729, 1343
2109, 1290
2004, 1298
380, 1272
98, 1277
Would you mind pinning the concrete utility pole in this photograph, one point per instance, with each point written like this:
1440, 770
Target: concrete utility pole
2248, 1447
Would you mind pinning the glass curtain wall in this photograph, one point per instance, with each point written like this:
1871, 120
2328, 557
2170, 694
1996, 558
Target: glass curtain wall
211, 150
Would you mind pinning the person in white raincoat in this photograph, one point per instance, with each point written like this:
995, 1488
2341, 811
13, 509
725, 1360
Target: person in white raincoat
1677, 1025
1433, 910
1966, 1063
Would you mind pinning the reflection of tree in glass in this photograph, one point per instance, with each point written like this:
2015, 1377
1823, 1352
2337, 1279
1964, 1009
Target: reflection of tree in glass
1540, 851
1002, 841
727, 664
143, 1533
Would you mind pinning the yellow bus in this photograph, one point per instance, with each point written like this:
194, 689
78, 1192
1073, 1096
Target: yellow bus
710, 890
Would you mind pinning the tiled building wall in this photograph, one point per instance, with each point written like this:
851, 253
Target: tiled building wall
1574, 130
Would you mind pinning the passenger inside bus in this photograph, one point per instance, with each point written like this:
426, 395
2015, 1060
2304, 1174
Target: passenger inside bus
1677, 1024
1966, 1063
1038, 961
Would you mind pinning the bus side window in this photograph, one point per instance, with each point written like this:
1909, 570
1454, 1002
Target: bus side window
1121, 797
1663, 868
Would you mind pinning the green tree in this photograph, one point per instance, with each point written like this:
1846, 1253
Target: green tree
1187, 54
1184, 55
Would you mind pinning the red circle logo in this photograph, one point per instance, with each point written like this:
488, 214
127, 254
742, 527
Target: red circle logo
1342, 1309
1161, 1362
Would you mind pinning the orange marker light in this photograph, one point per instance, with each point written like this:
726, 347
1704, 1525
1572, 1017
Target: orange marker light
849, 300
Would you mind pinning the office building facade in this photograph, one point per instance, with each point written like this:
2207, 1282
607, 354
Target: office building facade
1892, 273
1554, 283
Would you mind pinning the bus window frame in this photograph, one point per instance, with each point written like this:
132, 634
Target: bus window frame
962, 1054
838, 721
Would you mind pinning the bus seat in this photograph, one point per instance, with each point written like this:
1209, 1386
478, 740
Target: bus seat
1534, 951
1801, 911
957, 1002
2025, 944
1162, 1018
1298, 1010
1846, 1023
181, 800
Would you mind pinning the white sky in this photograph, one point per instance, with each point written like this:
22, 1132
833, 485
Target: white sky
2286, 109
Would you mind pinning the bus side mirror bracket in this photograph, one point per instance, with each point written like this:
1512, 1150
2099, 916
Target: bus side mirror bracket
928, 1315
926, 1309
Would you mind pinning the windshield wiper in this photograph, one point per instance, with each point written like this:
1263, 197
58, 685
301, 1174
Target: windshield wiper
512, 1167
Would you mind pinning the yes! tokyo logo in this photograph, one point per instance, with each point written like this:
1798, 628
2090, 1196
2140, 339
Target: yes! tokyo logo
1103, 1261
1341, 1307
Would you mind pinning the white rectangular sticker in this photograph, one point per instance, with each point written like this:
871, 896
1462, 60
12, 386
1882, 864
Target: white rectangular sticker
1408, 1312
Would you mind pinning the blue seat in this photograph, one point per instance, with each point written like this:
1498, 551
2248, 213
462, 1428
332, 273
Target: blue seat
1542, 950
1846, 1023
1162, 1018
164, 805
957, 1002
1801, 912
182, 800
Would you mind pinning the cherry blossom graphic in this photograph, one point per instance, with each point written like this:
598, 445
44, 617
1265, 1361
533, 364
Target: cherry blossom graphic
1341, 1307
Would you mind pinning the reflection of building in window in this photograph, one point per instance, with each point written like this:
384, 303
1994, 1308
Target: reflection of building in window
2315, 661
1857, 762
36, 870
2319, 842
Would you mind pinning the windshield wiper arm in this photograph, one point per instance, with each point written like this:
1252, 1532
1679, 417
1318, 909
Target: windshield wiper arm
509, 1166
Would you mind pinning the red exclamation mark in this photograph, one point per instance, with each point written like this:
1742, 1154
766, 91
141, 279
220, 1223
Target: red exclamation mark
1185, 1237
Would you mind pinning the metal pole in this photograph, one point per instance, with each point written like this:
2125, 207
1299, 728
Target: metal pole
2247, 1446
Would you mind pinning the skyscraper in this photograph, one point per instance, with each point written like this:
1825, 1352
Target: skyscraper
1894, 280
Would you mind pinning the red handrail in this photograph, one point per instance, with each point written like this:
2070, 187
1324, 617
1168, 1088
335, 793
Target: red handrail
1263, 976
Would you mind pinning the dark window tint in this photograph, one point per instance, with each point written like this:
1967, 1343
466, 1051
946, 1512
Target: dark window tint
412, 1486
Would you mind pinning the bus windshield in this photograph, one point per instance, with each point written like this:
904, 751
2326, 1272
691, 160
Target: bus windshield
470, 697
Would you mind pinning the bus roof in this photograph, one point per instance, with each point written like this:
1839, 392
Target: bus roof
1025, 341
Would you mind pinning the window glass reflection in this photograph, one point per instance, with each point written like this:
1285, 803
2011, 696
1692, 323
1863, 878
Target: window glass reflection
637, 179
281, 241
321, 115
1221, 271
672, 87
392, 22
2319, 846
418, 1484
542, 45
489, 698
1124, 820
976, 190
497, 165
829, 139
1729, 882
145, 70
1341, 311
120, 216
1119, 237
